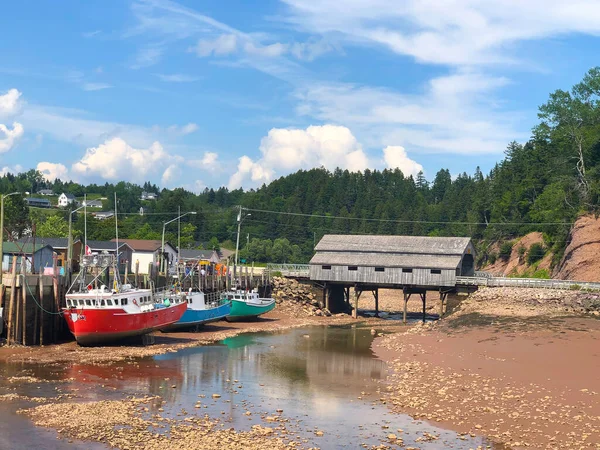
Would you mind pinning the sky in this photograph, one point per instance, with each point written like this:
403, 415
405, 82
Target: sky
209, 93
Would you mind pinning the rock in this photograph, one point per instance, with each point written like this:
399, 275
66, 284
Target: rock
216, 396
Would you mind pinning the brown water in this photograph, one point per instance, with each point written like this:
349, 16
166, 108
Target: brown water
323, 378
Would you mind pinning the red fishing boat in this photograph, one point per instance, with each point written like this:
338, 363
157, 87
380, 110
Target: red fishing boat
97, 315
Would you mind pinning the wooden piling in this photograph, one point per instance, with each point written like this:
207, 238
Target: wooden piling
56, 302
36, 318
355, 312
41, 300
424, 299
126, 271
406, 298
11, 304
443, 296
24, 311
326, 299
376, 295
137, 273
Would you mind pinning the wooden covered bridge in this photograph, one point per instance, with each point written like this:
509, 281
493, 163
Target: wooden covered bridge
413, 264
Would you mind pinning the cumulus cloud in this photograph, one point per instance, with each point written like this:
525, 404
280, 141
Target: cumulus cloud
209, 160
9, 103
9, 137
13, 170
52, 171
115, 159
288, 150
396, 158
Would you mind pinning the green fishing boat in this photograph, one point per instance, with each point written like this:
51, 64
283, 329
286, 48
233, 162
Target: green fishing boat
247, 305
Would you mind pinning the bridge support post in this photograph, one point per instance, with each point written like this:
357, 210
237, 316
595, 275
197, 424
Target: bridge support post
347, 291
326, 299
443, 298
376, 295
424, 299
406, 298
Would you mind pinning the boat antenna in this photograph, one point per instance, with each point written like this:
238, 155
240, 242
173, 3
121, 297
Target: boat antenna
85, 224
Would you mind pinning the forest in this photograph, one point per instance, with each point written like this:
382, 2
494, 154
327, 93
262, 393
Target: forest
541, 185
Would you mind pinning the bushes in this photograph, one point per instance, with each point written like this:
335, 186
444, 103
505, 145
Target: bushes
506, 250
492, 258
536, 252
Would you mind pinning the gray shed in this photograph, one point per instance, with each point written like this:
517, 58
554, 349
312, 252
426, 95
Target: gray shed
393, 261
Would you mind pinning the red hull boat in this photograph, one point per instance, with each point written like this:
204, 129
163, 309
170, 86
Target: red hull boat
100, 315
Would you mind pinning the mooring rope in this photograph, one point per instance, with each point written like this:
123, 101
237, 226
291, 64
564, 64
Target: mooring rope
36, 302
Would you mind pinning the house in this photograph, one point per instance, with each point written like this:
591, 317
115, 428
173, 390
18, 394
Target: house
58, 245
225, 254
148, 252
194, 255
66, 199
103, 215
149, 196
46, 192
37, 256
38, 202
93, 203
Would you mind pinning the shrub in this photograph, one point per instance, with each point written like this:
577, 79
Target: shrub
536, 252
541, 273
492, 258
522, 250
506, 250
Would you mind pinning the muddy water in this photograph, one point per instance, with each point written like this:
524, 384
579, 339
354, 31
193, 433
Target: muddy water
323, 378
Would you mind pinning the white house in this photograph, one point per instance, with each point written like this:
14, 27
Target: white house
65, 199
148, 196
148, 252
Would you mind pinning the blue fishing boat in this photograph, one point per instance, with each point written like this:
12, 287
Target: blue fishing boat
200, 311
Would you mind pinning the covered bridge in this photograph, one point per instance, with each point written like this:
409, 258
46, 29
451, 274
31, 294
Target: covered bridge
414, 264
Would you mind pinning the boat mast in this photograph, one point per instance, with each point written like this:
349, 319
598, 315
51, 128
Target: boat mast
116, 267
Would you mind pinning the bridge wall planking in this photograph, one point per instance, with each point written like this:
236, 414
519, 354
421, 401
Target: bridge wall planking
390, 275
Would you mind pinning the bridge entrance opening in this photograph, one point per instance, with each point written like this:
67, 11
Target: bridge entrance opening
467, 266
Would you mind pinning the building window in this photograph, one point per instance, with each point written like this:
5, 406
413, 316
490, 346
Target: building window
353, 268
379, 269
436, 271
406, 270
326, 267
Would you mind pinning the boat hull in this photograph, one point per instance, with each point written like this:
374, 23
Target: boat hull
103, 326
242, 310
200, 317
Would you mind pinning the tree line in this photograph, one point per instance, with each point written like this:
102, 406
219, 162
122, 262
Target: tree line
540, 185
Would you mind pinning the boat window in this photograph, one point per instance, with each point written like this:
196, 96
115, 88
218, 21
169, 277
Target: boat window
191, 300
230, 297
69, 303
80, 302
109, 302
102, 303
88, 303
123, 301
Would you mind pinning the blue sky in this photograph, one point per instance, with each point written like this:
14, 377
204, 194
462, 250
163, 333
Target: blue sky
236, 93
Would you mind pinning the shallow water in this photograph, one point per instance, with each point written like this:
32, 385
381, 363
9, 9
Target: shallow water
323, 378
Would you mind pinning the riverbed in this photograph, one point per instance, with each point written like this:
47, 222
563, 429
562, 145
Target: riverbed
318, 385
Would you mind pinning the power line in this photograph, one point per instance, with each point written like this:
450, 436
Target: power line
428, 222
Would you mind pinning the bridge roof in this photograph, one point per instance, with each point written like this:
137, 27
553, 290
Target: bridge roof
380, 259
419, 245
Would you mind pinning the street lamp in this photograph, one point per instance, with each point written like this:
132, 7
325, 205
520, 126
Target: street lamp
162, 247
70, 244
2, 229
240, 219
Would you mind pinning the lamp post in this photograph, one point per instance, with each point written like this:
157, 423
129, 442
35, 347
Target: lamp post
162, 247
2, 229
70, 244
240, 219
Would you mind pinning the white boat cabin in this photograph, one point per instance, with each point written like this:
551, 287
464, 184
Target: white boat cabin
128, 299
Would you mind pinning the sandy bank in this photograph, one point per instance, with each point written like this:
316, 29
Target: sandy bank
519, 368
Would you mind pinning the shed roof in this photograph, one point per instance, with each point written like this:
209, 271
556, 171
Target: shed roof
374, 259
144, 245
105, 245
22, 247
55, 243
198, 254
421, 245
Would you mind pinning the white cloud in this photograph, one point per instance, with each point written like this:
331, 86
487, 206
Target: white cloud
9, 137
117, 160
13, 170
224, 44
95, 86
265, 51
455, 32
309, 51
177, 78
147, 57
209, 160
171, 173
287, 150
396, 158
52, 171
184, 129
9, 103
455, 114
